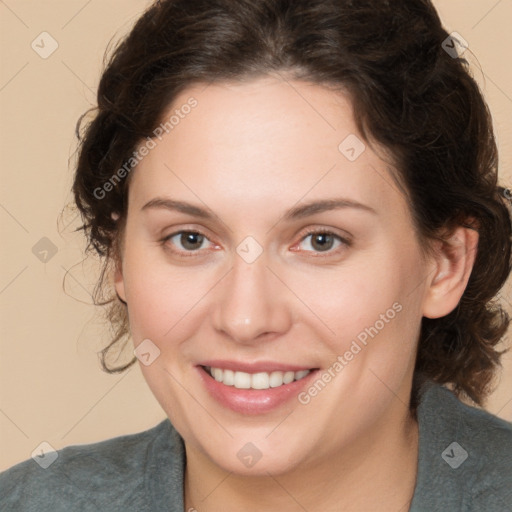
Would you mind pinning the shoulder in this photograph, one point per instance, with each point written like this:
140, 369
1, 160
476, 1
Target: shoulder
465, 453
117, 473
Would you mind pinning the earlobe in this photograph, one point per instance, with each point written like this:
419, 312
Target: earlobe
453, 263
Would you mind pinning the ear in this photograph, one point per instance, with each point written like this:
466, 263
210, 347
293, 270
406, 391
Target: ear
119, 281
118, 268
453, 262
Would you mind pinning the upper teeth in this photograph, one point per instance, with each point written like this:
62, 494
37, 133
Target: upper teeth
262, 380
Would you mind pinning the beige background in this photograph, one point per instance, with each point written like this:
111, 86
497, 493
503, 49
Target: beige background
51, 386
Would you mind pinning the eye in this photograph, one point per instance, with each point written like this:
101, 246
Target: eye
190, 241
322, 241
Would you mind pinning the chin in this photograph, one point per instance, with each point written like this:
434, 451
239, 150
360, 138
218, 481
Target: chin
262, 464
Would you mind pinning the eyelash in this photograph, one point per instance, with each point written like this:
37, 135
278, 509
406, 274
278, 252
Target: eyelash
345, 243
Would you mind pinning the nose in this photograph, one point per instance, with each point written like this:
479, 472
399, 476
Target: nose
253, 303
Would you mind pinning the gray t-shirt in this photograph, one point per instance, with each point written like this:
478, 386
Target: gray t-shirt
465, 464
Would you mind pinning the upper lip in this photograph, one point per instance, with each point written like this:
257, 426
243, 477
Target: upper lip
256, 367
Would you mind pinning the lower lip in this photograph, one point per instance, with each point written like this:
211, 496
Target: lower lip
253, 401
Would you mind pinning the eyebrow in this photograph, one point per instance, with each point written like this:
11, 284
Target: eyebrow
297, 212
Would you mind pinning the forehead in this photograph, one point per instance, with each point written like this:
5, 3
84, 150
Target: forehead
253, 142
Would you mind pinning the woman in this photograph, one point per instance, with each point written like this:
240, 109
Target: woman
298, 210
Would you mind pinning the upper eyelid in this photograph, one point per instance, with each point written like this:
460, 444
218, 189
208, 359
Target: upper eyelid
313, 231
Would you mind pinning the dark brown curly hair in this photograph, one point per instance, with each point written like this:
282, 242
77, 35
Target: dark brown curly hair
409, 94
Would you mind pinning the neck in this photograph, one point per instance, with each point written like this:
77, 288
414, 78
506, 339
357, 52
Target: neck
377, 472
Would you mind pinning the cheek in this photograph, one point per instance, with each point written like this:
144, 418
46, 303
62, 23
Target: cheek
162, 299
372, 309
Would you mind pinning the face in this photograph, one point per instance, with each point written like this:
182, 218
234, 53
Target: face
264, 241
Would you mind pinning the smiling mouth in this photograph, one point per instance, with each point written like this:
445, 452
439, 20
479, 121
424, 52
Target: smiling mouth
260, 380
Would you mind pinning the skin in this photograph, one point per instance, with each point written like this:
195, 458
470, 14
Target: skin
248, 153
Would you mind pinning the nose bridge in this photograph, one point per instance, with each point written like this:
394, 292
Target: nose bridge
252, 302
